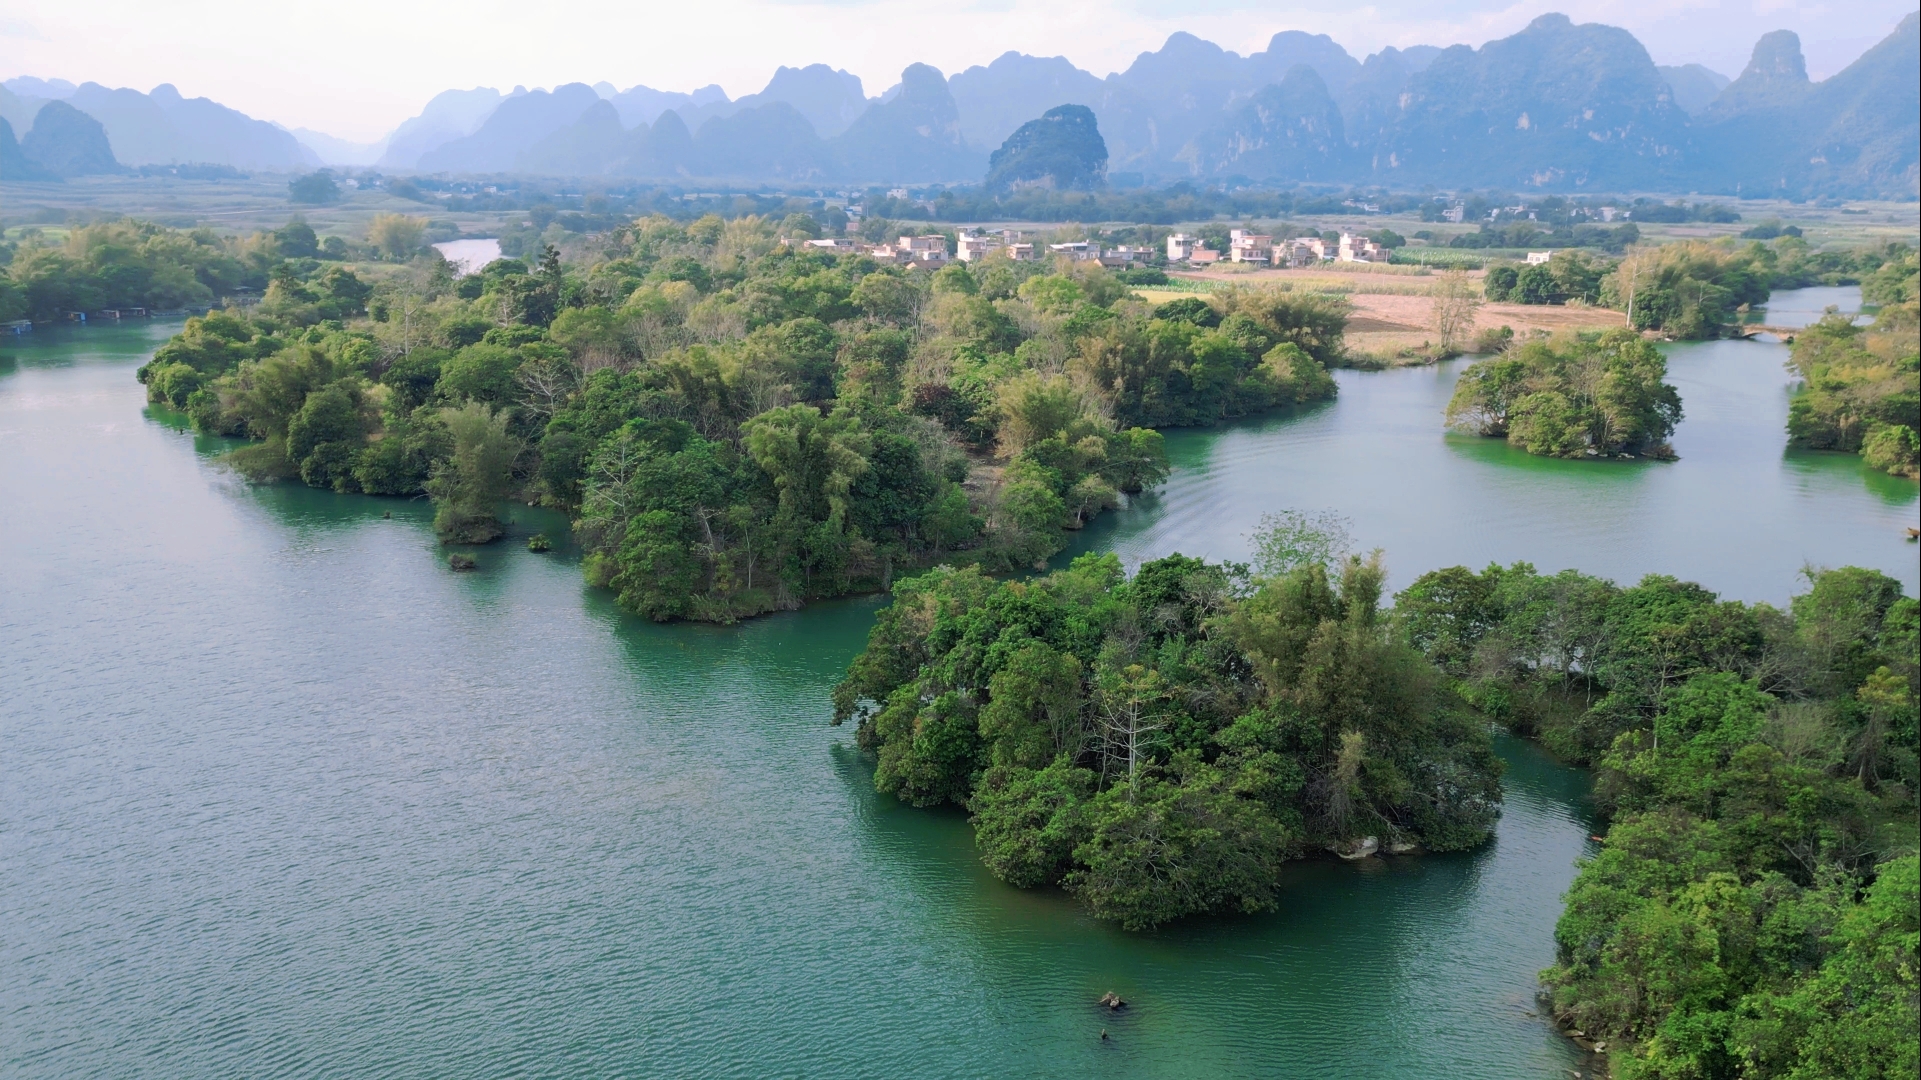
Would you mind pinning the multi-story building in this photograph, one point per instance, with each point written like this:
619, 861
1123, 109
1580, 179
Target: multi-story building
1360, 249
1077, 250
1180, 247
1250, 247
923, 249
1021, 252
1124, 256
970, 247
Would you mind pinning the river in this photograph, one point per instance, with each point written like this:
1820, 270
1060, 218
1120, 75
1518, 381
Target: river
469, 256
285, 797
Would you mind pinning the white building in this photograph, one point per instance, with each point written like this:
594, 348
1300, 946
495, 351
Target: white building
1454, 214
1180, 247
971, 248
1539, 258
1021, 252
1077, 250
924, 250
1361, 249
1250, 247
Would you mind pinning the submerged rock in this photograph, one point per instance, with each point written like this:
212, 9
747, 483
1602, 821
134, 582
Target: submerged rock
1113, 1002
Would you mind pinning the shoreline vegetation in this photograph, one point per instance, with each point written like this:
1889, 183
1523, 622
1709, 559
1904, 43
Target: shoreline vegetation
1157, 746
1572, 396
1861, 386
737, 425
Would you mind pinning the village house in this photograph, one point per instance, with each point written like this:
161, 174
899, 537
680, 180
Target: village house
1361, 249
1250, 247
1125, 257
1021, 252
1078, 250
1203, 256
1180, 247
971, 248
1539, 258
923, 250
1300, 251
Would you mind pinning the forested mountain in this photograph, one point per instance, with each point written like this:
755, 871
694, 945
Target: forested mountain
914, 136
14, 164
67, 142
997, 99
1557, 106
515, 126
1291, 130
451, 114
1772, 131
163, 127
1063, 149
1694, 87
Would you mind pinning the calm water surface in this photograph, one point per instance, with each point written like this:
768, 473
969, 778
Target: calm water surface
1740, 512
469, 256
284, 797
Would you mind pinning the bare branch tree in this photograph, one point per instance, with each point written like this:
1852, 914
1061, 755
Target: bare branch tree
1456, 299
547, 383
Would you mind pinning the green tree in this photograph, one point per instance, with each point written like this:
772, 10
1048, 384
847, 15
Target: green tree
467, 488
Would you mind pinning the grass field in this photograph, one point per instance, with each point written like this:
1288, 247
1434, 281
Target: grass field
235, 206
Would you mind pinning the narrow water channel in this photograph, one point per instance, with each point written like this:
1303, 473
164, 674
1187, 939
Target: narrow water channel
284, 797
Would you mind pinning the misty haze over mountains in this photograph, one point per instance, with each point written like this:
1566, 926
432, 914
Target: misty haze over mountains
1558, 106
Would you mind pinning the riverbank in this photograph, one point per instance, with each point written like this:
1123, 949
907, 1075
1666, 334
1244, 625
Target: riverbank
1391, 321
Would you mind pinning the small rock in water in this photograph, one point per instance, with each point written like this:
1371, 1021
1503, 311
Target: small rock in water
1113, 1000
1367, 846
460, 561
1103, 1033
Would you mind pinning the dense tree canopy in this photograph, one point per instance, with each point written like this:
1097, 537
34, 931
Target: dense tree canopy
737, 425
1160, 745
1862, 389
1575, 395
1753, 911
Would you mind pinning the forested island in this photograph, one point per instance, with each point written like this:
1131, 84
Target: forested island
1160, 745
1572, 396
738, 425
1862, 385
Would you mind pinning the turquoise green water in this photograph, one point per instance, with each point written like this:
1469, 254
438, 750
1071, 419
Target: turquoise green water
285, 797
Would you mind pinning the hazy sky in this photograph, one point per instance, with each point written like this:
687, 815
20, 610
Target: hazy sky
355, 68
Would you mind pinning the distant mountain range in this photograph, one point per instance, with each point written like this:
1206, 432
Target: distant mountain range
1558, 106
161, 127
